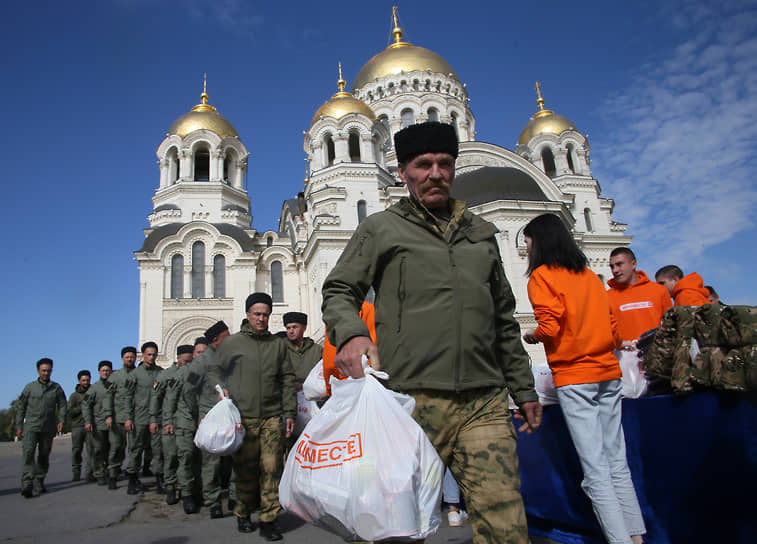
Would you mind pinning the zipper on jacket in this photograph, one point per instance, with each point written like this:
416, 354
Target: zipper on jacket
401, 294
459, 322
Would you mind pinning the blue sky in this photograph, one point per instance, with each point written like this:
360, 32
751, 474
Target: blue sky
666, 91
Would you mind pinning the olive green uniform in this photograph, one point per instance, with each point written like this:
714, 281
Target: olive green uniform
36, 417
163, 417
94, 411
445, 334
79, 437
255, 369
304, 358
182, 400
118, 405
146, 379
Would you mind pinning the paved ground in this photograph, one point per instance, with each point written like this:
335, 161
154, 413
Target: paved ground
84, 513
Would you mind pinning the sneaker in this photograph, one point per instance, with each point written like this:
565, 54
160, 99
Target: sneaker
456, 519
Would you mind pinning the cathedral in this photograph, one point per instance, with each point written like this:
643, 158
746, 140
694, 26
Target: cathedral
201, 255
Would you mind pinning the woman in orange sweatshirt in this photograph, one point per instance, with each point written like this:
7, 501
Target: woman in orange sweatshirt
579, 334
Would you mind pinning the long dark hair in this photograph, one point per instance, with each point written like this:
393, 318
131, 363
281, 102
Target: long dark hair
552, 244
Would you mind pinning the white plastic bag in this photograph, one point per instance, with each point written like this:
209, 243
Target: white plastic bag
306, 409
363, 468
634, 381
221, 430
544, 385
314, 386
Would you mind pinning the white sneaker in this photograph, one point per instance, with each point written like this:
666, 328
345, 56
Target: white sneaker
456, 519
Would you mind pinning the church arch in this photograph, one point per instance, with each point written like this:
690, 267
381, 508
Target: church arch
353, 142
433, 114
277, 281
548, 161
198, 270
569, 156
362, 211
177, 276
219, 276
172, 156
407, 117
201, 154
329, 149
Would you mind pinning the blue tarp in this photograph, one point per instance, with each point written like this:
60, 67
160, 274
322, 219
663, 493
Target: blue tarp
693, 461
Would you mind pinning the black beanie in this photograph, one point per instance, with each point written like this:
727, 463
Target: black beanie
295, 317
185, 348
258, 297
429, 137
213, 332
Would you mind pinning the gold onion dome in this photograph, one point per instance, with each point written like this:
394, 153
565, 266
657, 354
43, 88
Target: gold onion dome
203, 116
343, 103
544, 121
399, 57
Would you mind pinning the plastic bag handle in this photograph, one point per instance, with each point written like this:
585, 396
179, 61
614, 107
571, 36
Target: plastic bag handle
220, 392
367, 369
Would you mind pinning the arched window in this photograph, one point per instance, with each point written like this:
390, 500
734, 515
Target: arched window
385, 121
269, 241
330, 152
173, 165
548, 161
219, 276
277, 282
354, 146
361, 211
453, 115
433, 114
202, 164
177, 276
569, 156
587, 219
226, 168
198, 270
407, 117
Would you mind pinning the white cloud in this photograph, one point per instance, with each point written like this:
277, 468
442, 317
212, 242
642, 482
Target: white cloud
681, 160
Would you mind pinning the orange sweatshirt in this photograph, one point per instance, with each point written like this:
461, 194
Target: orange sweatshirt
368, 315
576, 326
639, 307
690, 291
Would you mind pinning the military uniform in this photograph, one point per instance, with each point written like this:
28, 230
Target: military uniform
94, 411
79, 437
184, 416
146, 379
118, 405
254, 367
35, 416
162, 416
304, 358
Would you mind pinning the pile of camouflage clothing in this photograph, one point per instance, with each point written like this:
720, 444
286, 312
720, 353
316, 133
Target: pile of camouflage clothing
701, 348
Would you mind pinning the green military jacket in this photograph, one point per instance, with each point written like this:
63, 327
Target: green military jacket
255, 369
95, 406
35, 409
163, 382
196, 379
444, 308
146, 380
119, 404
75, 402
303, 359
181, 399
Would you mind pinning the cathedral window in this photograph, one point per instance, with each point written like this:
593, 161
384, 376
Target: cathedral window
330, 151
385, 121
173, 165
202, 164
570, 158
416, 85
198, 270
269, 241
277, 282
453, 115
548, 161
226, 168
433, 114
354, 146
219, 276
177, 276
407, 117
361, 211
587, 219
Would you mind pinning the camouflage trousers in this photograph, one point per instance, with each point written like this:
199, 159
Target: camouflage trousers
100, 450
35, 462
188, 461
139, 440
258, 465
170, 457
476, 440
79, 440
117, 438
212, 480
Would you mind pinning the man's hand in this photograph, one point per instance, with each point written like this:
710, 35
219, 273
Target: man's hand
349, 359
168, 429
88, 427
628, 345
528, 336
128, 425
530, 412
108, 422
225, 394
19, 434
60, 427
289, 427
154, 428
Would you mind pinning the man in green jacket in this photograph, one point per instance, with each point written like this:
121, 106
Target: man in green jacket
146, 376
445, 328
97, 422
36, 425
254, 368
79, 436
303, 352
118, 406
198, 393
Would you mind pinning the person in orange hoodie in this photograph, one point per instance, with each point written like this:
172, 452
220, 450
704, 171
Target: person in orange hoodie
686, 290
636, 302
579, 334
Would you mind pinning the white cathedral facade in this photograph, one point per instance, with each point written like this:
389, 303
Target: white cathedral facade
201, 256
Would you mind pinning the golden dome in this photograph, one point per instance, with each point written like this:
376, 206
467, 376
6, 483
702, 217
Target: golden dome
343, 103
401, 57
544, 121
203, 116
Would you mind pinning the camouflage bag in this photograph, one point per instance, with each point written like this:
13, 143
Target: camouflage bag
738, 326
733, 377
